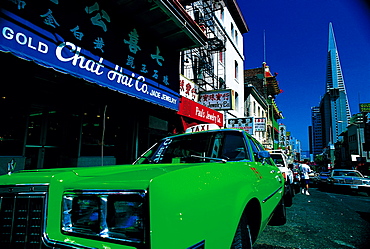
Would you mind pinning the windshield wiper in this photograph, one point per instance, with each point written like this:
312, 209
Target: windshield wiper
209, 158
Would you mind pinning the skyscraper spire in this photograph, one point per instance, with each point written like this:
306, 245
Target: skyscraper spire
336, 91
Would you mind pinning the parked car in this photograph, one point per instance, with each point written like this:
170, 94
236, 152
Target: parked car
321, 178
213, 189
281, 160
347, 179
313, 177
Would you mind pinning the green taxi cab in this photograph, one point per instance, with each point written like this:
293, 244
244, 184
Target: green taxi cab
212, 189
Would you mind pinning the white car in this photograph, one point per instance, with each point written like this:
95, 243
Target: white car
281, 160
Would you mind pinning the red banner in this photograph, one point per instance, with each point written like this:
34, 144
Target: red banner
194, 110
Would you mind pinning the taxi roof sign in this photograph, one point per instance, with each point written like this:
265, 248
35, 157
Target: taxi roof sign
202, 127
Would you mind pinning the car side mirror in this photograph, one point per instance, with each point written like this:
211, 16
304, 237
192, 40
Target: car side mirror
263, 156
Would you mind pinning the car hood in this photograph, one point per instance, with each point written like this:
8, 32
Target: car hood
132, 176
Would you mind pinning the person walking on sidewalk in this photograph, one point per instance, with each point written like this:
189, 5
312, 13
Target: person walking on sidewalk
305, 178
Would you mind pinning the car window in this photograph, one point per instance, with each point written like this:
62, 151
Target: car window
234, 147
256, 147
347, 173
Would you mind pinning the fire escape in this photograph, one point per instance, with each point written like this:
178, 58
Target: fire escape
201, 65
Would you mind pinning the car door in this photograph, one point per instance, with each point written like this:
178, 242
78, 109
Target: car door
271, 180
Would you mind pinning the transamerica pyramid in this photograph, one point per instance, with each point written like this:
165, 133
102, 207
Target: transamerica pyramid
335, 102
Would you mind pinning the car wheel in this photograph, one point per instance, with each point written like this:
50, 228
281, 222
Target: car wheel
243, 237
279, 216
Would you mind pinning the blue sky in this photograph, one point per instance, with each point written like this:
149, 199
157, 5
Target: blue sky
296, 35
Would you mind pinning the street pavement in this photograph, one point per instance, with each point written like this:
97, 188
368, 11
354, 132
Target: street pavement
322, 220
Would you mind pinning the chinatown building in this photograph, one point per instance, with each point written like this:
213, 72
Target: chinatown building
261, 89
88, 83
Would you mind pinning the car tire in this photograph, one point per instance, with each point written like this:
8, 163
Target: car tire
279, 216
243, 236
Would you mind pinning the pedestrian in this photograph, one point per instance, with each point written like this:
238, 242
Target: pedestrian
305, 178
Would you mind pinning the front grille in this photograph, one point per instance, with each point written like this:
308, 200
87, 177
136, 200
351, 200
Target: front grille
22, 216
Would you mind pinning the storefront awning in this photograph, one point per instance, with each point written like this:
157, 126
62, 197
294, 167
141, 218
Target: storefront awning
121, 45
168, 19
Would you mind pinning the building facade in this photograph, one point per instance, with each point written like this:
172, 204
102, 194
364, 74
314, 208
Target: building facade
101, 86
95, 88
261, 90
217, 68
316, 139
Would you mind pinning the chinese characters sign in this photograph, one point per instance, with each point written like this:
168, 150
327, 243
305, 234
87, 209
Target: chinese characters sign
218, 100
188, 88
241, 123
91, 40
249, 124
260, 124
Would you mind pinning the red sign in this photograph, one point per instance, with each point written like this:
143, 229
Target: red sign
191, 109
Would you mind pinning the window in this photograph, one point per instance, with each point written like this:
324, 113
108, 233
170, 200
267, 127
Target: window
232, 31
236, 70
222, 15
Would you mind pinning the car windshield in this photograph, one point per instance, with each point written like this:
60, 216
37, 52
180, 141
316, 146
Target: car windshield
347, 173
198, 147
277, 159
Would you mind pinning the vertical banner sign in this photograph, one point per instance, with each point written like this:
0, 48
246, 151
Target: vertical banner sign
282, 136
93, 40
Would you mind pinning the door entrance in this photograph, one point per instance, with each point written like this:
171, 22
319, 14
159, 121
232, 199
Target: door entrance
51, 138
42, 143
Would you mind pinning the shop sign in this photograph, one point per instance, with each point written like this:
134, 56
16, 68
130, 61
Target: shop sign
260, 124
188, 88
241, 123
282, 136
218, 100
199, 112
92, 42
365, 107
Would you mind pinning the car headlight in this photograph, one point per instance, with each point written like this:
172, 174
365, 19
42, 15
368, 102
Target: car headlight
120, 216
